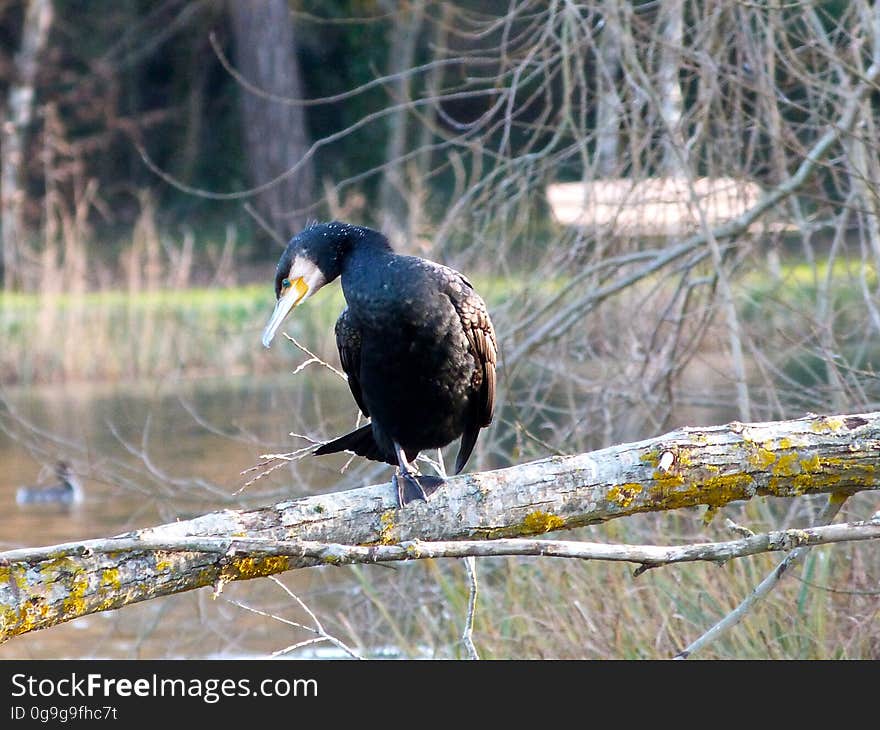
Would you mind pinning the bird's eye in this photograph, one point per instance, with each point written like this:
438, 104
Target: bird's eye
285, 283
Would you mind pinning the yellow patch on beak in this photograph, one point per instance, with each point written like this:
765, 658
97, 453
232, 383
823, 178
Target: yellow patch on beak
290, 297
301, 288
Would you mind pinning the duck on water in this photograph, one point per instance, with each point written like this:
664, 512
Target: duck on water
67, 490
415, 341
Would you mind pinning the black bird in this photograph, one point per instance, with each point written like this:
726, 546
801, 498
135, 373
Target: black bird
67, 491
415, 341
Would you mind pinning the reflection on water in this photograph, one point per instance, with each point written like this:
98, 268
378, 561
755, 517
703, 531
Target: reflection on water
149, 454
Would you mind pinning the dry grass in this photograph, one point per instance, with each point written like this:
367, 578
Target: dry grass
552, 608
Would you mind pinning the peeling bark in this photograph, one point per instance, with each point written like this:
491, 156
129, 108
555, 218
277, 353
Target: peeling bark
684, 468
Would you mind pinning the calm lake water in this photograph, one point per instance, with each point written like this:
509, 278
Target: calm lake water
152, 453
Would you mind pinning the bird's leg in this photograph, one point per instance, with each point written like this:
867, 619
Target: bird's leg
410, 484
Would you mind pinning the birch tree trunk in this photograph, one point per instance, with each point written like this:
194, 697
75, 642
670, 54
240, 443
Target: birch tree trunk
684, 468
402, 52
14, 125
608, 111
668, 85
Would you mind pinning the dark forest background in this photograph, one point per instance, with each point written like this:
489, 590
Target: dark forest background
222, 97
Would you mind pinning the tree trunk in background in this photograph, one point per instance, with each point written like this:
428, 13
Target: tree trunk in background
393, 201
608, 100
16, 118
669, 86
274, 133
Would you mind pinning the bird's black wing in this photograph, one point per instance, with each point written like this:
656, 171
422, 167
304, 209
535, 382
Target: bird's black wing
361, 440
483, 346
348, 342
481, 335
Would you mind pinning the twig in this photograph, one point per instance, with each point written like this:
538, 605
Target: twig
318, 628
470, 565
651, 556
264, 224
313, 359
835, 502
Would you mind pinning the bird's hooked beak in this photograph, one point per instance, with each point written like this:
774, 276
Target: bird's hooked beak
290, 296
303, 279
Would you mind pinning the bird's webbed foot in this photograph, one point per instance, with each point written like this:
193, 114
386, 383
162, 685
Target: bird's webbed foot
409, 483
411, 487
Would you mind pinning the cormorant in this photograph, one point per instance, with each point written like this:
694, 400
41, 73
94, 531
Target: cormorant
415, 341
68, 491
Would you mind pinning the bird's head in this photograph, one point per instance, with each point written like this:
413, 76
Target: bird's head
311, 259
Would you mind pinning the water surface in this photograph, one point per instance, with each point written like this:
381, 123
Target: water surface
152, 453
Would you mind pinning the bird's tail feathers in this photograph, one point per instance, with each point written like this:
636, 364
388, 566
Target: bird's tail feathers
466, 446
360, 441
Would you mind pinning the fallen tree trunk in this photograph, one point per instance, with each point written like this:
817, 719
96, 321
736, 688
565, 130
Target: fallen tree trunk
41, 587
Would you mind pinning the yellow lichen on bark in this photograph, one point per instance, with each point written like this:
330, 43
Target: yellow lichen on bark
246, 568
824, 424
624, 494
762, 457
538, 522
388, 530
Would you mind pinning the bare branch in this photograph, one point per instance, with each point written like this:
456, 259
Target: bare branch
557, 325
467, 636
835, 503
317, 629
688, 467
645, 556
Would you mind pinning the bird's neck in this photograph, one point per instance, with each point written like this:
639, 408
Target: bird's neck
365, 251
365, 268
